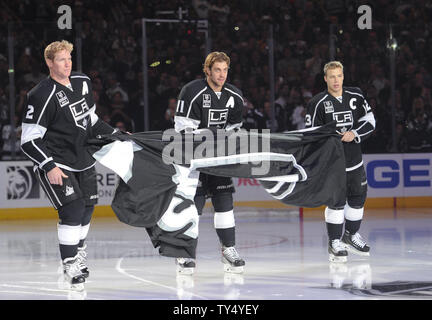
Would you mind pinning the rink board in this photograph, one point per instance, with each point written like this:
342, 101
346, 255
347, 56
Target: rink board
394, 181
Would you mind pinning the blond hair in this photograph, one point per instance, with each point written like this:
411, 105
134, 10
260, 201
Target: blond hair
332, 65
215, 57
54, 47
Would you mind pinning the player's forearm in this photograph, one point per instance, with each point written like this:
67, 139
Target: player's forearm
101, 128
366, 125
38, 153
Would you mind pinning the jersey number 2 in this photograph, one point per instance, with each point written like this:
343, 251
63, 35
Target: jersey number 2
29, 114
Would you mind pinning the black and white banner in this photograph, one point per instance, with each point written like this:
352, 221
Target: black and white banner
159, 174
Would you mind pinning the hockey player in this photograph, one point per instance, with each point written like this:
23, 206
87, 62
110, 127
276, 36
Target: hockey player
57, 121
213, 103
354, 122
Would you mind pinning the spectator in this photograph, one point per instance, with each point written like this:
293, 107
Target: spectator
297, 118
35, 76
419, 128
111, 36
8, 146
119, 112
169, 114
113, 87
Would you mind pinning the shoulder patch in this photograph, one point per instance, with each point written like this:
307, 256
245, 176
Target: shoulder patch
62, 98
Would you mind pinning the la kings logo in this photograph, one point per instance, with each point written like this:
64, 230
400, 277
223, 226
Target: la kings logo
80, 111
217, 116
344, 120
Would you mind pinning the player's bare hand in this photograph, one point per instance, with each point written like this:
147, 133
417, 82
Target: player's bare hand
56, 175
347, 136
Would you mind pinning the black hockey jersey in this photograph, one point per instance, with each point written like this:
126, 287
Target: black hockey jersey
353, 113
198, 107
57, 123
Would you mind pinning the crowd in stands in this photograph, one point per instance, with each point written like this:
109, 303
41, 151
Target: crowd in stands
112, 57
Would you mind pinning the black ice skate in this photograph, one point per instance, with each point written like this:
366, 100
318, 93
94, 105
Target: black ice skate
185, 266
72, 274
355, 244
337, 251
232, 261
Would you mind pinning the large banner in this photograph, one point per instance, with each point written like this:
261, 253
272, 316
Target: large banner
389, 175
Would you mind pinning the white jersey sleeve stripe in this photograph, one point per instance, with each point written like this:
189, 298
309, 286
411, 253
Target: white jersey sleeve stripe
85, 77
316, 107
358, 94
38, 149
233, 126
365, 133
45, 162
368, 118
181, 123
46, 103
31, 158
93, 116
31, 131
235, 94
190, 104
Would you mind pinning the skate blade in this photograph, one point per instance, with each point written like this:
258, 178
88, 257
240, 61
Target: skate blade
336, 259
77, 287
185, 271
337, 268
357, 252
77, 295
66, 285
230, 269
233, 279
184, 282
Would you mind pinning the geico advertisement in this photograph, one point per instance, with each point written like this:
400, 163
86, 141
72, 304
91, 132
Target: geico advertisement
388, 175
398, 175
